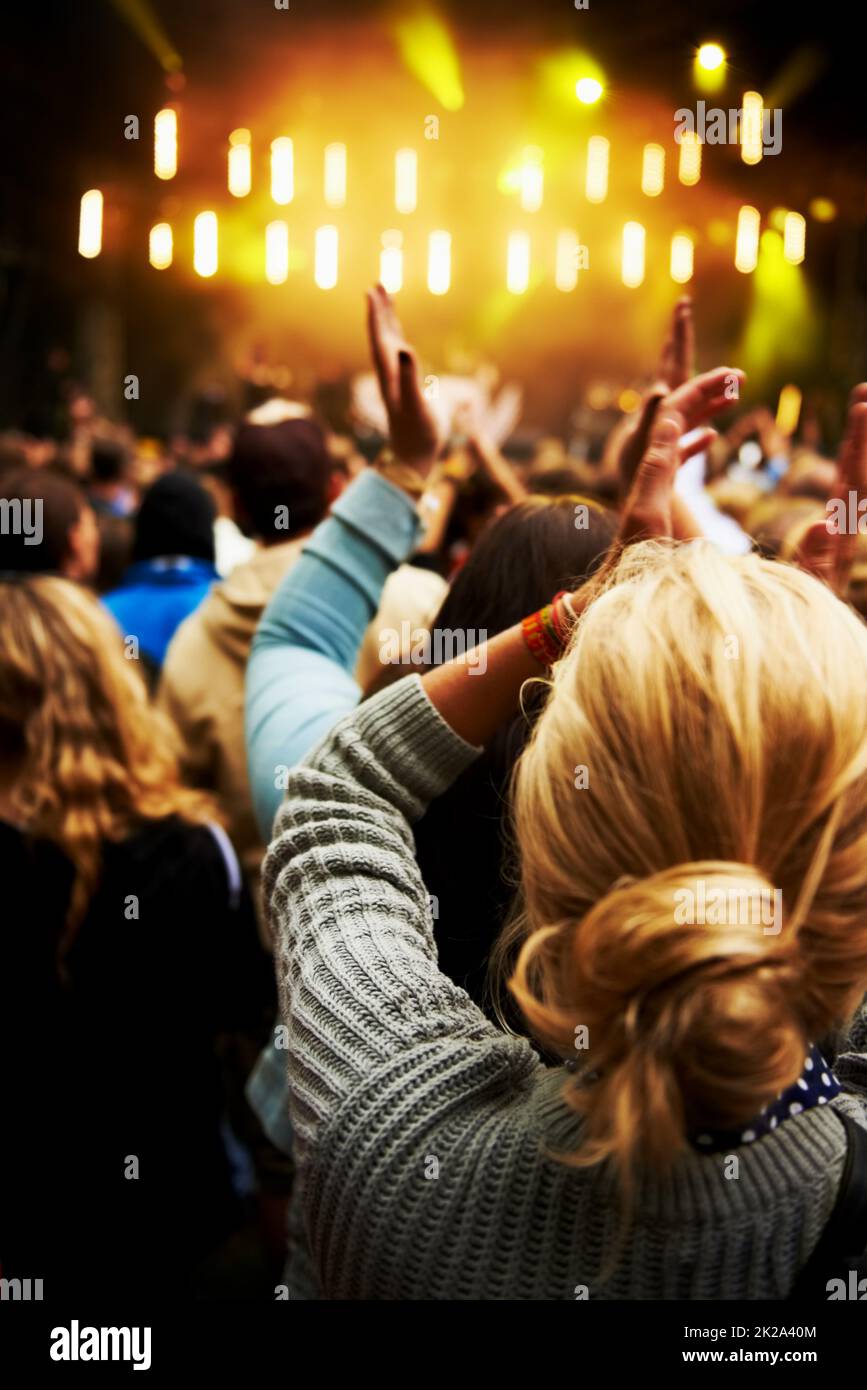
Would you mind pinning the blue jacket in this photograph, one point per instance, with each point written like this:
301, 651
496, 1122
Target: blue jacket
154, 598
299, 678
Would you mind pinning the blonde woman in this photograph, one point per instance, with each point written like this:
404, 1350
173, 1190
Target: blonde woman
706, 731
119, 888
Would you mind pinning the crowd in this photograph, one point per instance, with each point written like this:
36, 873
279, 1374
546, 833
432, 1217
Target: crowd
356, 799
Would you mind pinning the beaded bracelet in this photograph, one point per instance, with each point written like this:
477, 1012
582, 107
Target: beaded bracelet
547, 631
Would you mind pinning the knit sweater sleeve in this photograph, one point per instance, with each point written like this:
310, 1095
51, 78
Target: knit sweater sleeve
385, 1053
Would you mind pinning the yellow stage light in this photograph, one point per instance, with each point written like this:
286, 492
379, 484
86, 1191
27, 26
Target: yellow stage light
160, 246
689, 164
90, 224
518, 263
391, 262
596, 181
681, 258
429, 53
406, 180
277, 253
789, 409
588, 90
747, 240
240, 163
205, 244
632, 264
439, 262
566, 269
335, 175
282, 170
822, 209
532, 180
166, 143
653, 170
752, 106
628, 400
710, 57
325, 265
794, 238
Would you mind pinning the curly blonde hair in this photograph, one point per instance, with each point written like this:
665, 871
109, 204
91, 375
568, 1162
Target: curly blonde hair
717, 709
90, 757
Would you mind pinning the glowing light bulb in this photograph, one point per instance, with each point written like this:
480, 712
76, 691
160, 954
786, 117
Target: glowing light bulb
90, 224
518, 263
710, 57
439, 262
794, 238
596, 179
335, 175
277, 252
160, 246
747, 239
632, 263
240, 163
653, 170
166, 143
205, 257
325, 260
282, 170
406, 180
588, 90
689, 164
681, 258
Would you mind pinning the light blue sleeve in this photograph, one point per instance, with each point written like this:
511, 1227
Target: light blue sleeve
299, 677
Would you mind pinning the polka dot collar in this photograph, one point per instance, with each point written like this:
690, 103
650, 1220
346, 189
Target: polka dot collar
816, 1085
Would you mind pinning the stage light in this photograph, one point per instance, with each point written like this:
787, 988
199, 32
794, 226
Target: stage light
439, 262
325, 264
282, 170
406, 180
277, 252
747, 240
588, 90
160, 246
335, 175
391, 262
632, 264
653, 170
90, 224
794, 238
205, 244
566, 267
240, 163
681, 258
532, 180
596, 180
428, 51
689, 164
822, 209
166, 143
518, 263
751, 127
710, 57
628, 400
789, 410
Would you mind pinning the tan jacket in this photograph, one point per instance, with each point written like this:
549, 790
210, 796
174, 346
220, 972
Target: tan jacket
202, 683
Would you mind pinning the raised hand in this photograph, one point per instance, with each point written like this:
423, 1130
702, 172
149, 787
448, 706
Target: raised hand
677, 362
412, 425
828, 547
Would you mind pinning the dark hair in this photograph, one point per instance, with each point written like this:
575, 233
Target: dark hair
282, 465
62, 505
176, 517
108, 461
521, 560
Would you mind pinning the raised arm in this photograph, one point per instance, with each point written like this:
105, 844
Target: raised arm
299, 678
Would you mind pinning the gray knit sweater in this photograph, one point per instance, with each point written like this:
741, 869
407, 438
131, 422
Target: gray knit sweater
423, 1133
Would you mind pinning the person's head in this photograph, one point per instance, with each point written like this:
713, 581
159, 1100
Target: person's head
691, 816
176, 518
524, 557
281, 478
46, 526
109, 463
85, 757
